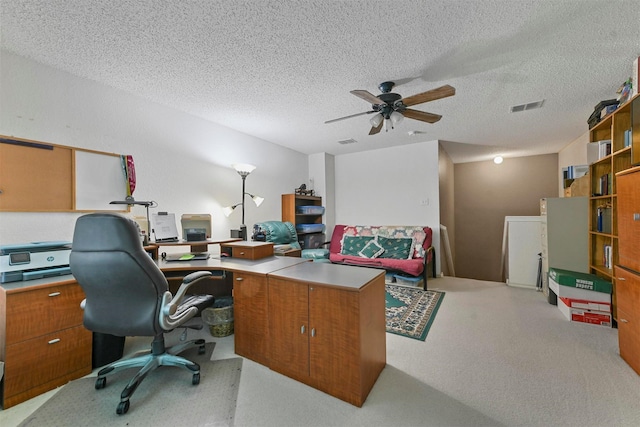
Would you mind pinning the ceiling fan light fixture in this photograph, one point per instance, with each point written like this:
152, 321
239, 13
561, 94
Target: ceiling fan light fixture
376, 120
395, 118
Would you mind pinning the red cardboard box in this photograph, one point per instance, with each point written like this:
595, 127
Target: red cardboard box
592, 317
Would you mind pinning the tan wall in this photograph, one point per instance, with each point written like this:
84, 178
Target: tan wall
484, 194
446, 191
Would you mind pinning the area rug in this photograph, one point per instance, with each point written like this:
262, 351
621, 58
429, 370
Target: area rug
410, 311
165, 397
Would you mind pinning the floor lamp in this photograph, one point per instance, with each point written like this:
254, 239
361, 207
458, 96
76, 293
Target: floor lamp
243, 170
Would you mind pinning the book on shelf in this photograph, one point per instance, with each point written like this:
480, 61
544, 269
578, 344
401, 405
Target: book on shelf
603, 219
627, 138
606, 256
577, 171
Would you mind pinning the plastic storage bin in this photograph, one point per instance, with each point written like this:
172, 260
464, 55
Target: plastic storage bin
219, 317
310, 228
310, 210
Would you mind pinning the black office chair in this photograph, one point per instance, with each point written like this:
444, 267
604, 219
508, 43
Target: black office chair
127, 295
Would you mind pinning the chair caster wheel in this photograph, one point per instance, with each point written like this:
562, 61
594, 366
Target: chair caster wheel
123, 407
201, 350
101, 383
196, 379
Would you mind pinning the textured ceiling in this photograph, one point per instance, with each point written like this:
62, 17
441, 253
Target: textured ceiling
279, 69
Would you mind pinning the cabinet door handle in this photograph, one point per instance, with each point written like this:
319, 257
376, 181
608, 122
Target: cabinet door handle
636, 216
54, 294
622, 279
302, 329
239, 279
241, 253
624, 321
53, 341
313, 332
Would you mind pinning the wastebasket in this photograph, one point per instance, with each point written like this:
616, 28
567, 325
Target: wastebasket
106, 349
219, 317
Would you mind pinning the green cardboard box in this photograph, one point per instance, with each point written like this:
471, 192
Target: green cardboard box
574, 279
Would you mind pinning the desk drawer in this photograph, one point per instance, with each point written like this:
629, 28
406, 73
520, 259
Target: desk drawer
42, 310
252, 251
40, 360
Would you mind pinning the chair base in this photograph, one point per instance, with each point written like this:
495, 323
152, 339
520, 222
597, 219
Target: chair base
158, 356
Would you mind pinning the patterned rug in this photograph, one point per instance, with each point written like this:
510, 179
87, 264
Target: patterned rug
411, 311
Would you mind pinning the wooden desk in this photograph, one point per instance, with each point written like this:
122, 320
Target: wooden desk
342, 309
199, 246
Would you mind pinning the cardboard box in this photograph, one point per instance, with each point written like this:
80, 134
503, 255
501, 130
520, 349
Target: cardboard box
591, 317
579, 187
579, 286
581, 304
574, 279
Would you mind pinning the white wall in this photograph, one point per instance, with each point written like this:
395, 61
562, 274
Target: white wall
182, 162
390, 186
573, 154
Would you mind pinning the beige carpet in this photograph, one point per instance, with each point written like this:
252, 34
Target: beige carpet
163, 398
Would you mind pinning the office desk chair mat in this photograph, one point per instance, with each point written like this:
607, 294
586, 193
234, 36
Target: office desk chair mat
165, 397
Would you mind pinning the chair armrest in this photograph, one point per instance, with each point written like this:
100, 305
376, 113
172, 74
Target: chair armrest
168, 319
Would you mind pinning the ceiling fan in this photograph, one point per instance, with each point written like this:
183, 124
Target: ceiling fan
392, 108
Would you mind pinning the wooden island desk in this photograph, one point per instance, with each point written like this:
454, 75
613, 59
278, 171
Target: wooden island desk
318, 323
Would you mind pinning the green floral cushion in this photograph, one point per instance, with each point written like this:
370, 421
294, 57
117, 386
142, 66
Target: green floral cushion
401, 248
371, 250
351, 245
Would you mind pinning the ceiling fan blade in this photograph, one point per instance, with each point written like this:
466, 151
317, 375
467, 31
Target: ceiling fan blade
430, 95
348, 117
367, 96
421, 115
376, 129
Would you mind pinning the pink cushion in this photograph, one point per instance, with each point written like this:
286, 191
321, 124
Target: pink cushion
413, 266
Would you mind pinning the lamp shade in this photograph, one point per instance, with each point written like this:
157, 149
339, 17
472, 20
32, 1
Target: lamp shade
257, 200
376, 120
396, 118
228, 210
243, 168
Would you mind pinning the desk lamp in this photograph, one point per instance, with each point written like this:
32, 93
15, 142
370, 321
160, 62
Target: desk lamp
243, 170
129, 200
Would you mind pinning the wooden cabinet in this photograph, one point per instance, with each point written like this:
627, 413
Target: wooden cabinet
627, 270
603, 234
628, 284
293, 212
327, 327
563, 226
251, 322
42, 340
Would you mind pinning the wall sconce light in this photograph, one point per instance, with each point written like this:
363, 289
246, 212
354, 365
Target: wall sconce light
243, 170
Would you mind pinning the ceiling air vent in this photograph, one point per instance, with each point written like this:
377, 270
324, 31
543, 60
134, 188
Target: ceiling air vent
526, 107
347, 141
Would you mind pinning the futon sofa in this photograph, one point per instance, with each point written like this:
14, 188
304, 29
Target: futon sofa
400, 249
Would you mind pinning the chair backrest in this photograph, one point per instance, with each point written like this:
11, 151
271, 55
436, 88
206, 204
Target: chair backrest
122, 284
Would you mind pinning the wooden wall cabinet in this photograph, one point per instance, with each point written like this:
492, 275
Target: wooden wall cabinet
42, 340
603, 242
627, 271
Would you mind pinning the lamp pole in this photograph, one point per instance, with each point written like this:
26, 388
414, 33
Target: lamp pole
243, 227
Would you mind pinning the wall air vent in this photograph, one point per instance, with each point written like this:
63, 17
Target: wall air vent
526, 107
347, 141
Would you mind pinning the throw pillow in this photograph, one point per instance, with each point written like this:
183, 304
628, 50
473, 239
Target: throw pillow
351, 245
371, 250
396, 248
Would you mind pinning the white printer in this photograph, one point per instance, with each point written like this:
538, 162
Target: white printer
34, 260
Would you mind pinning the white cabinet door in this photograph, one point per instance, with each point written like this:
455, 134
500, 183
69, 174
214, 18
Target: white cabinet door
523, 248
